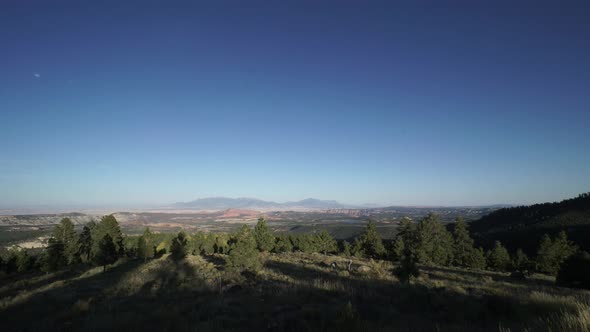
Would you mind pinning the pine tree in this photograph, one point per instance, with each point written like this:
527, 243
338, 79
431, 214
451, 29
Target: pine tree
243, 252
498, 258
65, 233
178, 249
142, 248
283, 244
408, 254
85, 242
346, 249
53, 256
24, 261
324, 243
108, 225
264, 238
370, 242
434, 242
552, 253
107, 252
149, 239
521, 262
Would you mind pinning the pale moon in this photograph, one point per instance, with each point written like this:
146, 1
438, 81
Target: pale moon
37, 75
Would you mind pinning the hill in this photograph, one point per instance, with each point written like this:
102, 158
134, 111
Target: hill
224, 203
523, 226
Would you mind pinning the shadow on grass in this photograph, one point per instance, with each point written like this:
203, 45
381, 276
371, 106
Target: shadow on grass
173, 296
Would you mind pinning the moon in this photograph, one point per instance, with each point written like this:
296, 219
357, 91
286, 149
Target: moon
37, 75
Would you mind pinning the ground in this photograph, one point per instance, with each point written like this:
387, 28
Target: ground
293, 292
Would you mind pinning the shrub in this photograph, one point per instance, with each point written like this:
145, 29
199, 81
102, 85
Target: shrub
243, 252
265, 240
178, 249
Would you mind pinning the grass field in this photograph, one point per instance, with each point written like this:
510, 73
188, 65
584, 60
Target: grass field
293, 292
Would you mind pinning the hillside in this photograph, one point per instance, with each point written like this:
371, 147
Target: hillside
293, 292
523, 226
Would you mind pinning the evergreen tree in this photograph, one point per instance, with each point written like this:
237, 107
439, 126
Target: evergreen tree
53, 256
142, 248
324, 243
178, 249
498, 258
149, 239
11, 266
408, 254
478, 259
283, 244
552, 253
106, 253
243, 252
24, 262
108, 225
65, 233
370, 242
85, 242
434, 242
264, 238
346, 249
521, 262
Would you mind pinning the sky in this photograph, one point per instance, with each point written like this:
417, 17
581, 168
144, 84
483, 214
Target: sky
140, 103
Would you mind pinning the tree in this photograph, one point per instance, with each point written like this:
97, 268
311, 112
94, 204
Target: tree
575, 271
178, 249
552, 253
53, 256
24, 261
346, 249
324, 243
107, 252
283, 244
65, 233
434, 242
108, 225
408, 254
370, 242
521, 263
85, 242
142, 248
243, 252
148, 237
498, 258
265, 240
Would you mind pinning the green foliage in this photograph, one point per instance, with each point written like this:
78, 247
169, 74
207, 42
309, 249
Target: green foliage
108, 225
24, 261
434, 243
221, 245
53, 257
324, 243
65, 233
10, 265
304, 243
265, 240
408, 254
243, 252
178, 249
85, 242
346, 249
498, 258
142, 248
204, 243
283, 244
106, 253
464, 253
522, 263
552, 253
575, 271
370, 244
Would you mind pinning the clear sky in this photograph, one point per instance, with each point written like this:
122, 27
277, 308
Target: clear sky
361, 102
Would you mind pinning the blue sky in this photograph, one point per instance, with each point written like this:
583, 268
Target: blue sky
367, 102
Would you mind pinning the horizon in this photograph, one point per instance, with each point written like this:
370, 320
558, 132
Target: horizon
370, 103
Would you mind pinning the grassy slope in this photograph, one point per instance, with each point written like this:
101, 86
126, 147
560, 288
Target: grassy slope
293, 292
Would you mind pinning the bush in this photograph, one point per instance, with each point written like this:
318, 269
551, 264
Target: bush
178, 248
575, 271
243, 252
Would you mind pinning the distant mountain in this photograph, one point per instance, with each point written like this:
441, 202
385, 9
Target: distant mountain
524, 225
224, 203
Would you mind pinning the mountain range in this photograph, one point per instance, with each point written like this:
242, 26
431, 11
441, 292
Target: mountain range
222, 203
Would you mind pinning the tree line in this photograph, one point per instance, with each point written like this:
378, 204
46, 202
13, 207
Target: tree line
422, 243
